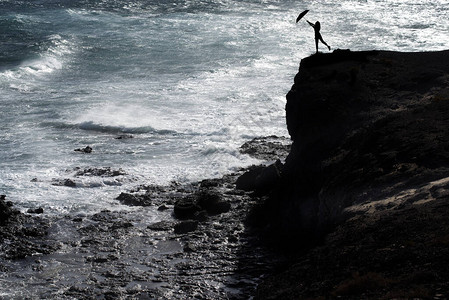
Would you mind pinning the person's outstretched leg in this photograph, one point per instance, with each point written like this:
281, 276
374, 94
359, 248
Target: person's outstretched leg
322, 41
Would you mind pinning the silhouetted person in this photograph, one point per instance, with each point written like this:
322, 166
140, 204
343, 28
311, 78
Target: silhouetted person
318, 37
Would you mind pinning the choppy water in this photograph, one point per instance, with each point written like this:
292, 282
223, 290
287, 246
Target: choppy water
190, 80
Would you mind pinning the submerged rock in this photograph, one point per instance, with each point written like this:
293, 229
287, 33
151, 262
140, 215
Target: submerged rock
88, 149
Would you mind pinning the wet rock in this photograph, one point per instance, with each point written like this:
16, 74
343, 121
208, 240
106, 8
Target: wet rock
88, 149
186, 226
121, 224
134, 200
209, 183
269, 178
201, 215
212, 202
124, 136
186, 208
64, 182
39, 210
161, 226
25, 234
247, 181
6, 210
103, 172
261, 179
267, 148
189, 247
162, 207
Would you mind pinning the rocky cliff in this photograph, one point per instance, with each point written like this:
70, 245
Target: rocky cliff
369, 166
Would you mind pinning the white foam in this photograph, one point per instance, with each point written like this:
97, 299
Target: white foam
23, 77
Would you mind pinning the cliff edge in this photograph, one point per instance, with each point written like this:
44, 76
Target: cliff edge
369, 172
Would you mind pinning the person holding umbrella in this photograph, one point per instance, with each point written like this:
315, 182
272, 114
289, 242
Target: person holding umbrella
316, 27
318, 37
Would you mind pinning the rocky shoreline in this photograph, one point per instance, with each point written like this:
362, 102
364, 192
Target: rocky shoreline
356, 208
200, 249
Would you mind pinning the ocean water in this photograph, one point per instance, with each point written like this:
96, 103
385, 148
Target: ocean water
189, 80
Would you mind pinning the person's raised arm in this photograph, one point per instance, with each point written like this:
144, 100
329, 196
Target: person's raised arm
310, 23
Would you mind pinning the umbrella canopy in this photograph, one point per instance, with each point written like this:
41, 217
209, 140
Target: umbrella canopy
301, 15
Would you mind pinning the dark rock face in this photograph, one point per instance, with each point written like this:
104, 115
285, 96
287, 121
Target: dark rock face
357, 119
370, 164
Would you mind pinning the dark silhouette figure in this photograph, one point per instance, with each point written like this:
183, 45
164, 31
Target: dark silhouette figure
318, 37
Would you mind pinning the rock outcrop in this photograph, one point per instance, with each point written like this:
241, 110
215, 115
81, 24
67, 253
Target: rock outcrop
364, 125
21, 235
370, 149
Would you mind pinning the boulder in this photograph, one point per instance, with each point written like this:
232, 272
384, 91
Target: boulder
186, 208
260, 179
247, 181
212, 202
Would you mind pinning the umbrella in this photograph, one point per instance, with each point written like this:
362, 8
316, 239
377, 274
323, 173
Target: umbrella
301, 15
